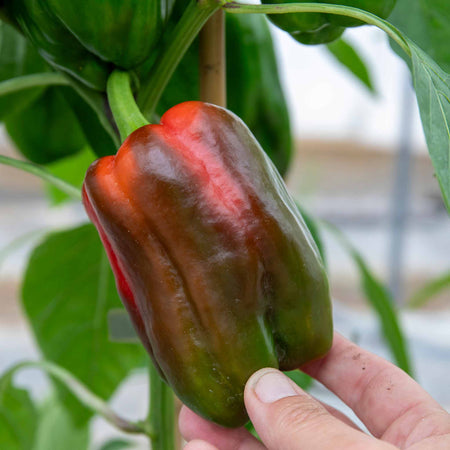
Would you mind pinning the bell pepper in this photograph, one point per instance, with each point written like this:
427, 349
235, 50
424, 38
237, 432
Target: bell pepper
88, 38
318, 28
211, 256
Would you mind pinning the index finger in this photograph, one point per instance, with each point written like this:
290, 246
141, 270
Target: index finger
384, 397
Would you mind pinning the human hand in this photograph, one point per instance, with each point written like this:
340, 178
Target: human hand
395, 409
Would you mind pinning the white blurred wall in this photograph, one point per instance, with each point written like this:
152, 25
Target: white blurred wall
327, 102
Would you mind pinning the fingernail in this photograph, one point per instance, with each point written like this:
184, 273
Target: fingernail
273, 386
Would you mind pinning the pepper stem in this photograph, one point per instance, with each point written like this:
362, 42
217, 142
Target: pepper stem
127, 115
212, 62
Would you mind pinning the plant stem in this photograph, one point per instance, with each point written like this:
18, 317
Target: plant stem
30, 81
126, 113
43, 173
83, 394
161, 415
212, 61
192, 21
285, 8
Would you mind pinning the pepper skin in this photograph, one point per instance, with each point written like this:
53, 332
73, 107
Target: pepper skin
315, 28
254, 90
255, 93
211, 257
87, 38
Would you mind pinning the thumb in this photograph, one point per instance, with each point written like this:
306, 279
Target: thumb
287, 418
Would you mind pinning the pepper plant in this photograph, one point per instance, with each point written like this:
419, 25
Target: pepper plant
78, 80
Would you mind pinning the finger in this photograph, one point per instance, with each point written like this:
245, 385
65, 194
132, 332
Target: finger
199, 445
387, 400
339, 415
286, 418
194, 427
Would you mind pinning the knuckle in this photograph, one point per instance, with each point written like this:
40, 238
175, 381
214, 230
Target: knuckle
295, 413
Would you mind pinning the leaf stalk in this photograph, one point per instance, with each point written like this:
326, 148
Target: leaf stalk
44, 174
83, 394
233, 7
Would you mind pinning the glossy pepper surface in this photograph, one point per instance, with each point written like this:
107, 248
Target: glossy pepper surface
254, 89
255, 93
317, 28
211, 257
87, 38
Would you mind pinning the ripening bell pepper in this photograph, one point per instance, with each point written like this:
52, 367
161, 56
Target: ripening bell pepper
211, 256
317, 28
87, 38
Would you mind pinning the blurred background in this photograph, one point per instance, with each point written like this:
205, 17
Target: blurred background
360, 163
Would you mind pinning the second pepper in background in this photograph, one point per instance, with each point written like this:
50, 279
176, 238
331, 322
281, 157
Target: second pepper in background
86, 38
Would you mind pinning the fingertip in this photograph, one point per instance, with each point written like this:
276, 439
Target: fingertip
283, 413
269, 385
249, 390
253, 380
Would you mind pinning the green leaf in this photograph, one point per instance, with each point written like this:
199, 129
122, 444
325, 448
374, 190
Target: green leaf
251, 429
18, 58
300, 378
382, 303
429, 290
432, 86
427, 23
116, 444
46, 130
101, 142
99, 113
315, 232
67, 292
56, 430
18, 416
345, 54
71, 169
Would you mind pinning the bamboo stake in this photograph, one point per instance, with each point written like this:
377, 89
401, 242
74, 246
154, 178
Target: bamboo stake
212, 61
